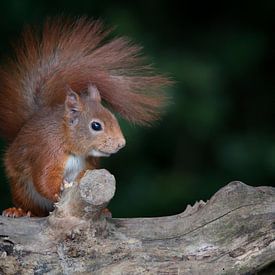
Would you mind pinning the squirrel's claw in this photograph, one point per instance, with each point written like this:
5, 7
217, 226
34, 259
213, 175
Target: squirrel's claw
14, 212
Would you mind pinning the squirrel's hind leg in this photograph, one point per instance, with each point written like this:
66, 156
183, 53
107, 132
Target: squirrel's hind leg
19, 209
26, 201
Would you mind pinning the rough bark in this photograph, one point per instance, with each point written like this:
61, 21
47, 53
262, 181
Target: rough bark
232, 233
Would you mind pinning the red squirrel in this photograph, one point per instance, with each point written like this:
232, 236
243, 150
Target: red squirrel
51, 111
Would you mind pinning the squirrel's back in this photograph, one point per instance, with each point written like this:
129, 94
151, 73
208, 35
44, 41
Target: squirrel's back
76, 53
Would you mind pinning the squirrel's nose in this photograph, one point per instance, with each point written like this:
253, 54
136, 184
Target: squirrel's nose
121, 143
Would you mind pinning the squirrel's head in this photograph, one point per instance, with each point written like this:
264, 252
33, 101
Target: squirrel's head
92, 130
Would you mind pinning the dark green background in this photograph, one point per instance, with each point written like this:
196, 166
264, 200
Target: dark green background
220, 126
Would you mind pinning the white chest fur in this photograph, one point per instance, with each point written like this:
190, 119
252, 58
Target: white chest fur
74, 165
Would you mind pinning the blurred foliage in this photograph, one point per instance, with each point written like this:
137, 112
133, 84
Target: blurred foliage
219, 126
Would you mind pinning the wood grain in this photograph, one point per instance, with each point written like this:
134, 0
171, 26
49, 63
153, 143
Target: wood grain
232, 233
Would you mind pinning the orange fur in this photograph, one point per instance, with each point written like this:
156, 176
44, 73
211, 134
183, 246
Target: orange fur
51, 92
56, 146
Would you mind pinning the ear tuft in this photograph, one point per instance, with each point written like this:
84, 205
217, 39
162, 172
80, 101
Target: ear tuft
94, 93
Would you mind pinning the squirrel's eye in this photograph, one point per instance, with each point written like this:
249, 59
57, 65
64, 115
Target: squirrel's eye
96, 126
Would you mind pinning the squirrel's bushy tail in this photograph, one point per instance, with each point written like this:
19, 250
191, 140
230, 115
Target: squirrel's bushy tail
76, 53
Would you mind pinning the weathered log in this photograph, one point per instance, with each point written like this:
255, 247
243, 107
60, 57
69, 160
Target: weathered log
232, 233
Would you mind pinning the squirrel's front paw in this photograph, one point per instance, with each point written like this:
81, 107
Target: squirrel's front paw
66, 184
14, 212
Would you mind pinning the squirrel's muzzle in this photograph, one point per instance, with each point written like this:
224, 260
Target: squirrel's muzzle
121, 143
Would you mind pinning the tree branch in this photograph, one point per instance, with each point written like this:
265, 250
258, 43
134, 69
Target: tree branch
232, 233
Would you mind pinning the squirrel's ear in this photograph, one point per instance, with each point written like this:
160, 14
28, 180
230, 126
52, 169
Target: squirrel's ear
73, 106
73, 101
94, 93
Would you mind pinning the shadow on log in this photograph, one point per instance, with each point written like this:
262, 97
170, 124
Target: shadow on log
232, 233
